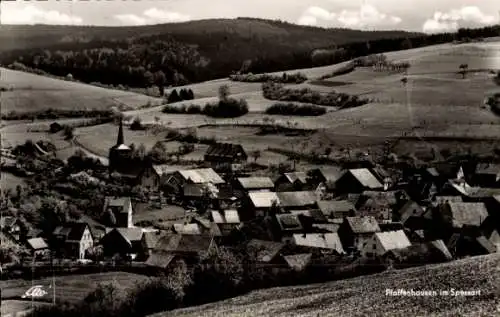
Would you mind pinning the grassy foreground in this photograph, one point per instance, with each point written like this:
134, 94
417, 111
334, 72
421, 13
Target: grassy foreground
366, 296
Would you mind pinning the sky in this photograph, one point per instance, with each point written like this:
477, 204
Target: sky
428, 16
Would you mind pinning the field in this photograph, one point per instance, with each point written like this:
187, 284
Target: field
9, 308
71, 288
33, 93
366, 296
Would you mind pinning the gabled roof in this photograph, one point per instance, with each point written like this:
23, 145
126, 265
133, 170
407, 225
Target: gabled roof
160, 259
164, 169
183, 243
410, 209
289, 222
116, 202
130, 234
225, 150
365, 178
390, 240
202, 175
439, 245
472, 214
71, 231
226, 216
319, 240
297, 199
255, 182
37, 244
385, 197
298, 262
293, 177
331, 173
151, 238
263, 199
335, 208
265, 251
366, 224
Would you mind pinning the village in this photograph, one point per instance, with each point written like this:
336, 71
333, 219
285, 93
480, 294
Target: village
362, 212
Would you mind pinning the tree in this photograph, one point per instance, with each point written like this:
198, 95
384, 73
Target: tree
223, 92
68, 132
406, 44
328, 151
463, 69
159, 152
183, 94
136, 124
190, 94
256, 155
173, 97
141, 151
148, 79
160, 80
404, 80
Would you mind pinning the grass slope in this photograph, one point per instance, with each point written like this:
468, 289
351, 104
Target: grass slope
365, 296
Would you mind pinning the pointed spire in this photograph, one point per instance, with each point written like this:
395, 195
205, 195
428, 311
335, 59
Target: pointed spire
120, 139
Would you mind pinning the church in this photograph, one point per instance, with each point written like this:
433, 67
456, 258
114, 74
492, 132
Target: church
120, 155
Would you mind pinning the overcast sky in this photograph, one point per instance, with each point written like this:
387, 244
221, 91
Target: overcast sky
415, 15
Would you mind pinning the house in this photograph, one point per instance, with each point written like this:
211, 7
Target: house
330, 241
418, 254
225, 156
326, 176
121, 209
355, 232
178, 179
292, 181
149, 178
298, 262
337, 208
73, 239
487, 175
410, 214
383, 176
382, 242
186, 247
458, 215
264, 252
11, 226
226, 220
248, 184
288, 224
38, 247
261, 202
357, 181
127, 242
149, 240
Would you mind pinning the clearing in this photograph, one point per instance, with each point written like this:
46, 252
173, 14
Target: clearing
365, 295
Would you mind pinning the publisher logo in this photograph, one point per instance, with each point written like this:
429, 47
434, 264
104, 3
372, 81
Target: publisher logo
36, 291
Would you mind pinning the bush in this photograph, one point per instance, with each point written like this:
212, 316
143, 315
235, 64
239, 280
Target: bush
349, 67
136, 124
57, 113
296, 78
295, 110
274, 91
229, 108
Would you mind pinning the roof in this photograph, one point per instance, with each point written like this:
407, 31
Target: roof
316, 215
487, 245
122, 147
263, 199
164, 169
432, 171
117, 202
391, 240
366, 224
225, 150
255, 182
71, 231
289, 222
151, 238
293, 177
439, 245
385, 197
298, 262
160, 259
183, 243
319, 240
335, 208
297, 199
451, 199
193, 190
410, 209
37, 244
226, 216
328, 227
330, 173
130, 234
491, 169
202, 175
265, 251
366, 178
468, 214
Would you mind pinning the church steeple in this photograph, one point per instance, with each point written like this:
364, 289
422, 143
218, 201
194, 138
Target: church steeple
120, 139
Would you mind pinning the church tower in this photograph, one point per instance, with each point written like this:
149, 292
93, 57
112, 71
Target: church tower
119, 154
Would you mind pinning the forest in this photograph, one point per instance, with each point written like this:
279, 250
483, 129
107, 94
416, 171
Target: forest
183, 54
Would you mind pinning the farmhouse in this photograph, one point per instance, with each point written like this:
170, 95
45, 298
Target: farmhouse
225, 156
357, 181
73, 239
178, 179
355, 232
330, 241
149, 178
37, 247
121, 210
382, 242
126, 242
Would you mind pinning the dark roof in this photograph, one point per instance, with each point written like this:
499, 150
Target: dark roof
117, 202
183, 243
71, 231
391, 226
315, 214
225, 150
366, 224
472, 214
160, 259
265, 251
335, 208
410, 209
289, 222
491, 169
330, 173
487, 245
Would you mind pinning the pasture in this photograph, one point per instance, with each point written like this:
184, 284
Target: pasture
362, 296
34, 93
71, 288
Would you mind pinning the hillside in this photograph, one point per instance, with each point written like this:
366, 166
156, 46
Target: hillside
366, 296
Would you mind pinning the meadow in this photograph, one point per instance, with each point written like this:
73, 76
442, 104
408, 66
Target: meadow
366, 296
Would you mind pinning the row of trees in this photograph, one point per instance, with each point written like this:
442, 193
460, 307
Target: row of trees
333, 99
295, 78
291, 109
183, 94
